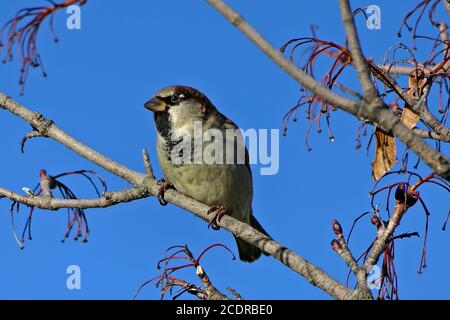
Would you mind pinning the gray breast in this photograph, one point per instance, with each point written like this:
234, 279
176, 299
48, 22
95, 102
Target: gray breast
213, 184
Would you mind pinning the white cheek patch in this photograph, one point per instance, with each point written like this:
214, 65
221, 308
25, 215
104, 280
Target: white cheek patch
184, 114
176, 116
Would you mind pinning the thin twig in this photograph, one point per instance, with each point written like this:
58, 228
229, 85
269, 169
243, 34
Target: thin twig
372, 111
144, 187
358, 59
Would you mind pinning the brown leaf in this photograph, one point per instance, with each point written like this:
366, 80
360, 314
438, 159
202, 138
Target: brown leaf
385, 154
409, 118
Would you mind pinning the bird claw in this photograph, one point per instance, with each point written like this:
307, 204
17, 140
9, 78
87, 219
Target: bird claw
165, 185
219, 212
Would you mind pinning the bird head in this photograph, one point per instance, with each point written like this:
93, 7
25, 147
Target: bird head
178, 107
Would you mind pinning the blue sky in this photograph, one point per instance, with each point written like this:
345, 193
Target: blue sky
100, 77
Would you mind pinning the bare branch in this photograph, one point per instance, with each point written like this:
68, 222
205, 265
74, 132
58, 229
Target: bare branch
147, 164
372, 111
145, 186
349, 91
211, 291
299, 75
426, 134
417, 105
346, 254
340, 247
396, 70
49, 203
315, 275
358, 59
384, 235
47, 128
30, 135
234, 293
420, 107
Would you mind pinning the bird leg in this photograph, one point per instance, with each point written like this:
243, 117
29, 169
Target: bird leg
219, 212
165, 185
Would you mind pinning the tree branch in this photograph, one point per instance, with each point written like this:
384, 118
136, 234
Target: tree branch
426, 134
372, 111
417, 105
358, 59
384, 235
299, 75
108, 199
212, 292
48, 128
145, 185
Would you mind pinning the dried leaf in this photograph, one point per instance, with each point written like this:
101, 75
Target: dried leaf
409, 118
385, 154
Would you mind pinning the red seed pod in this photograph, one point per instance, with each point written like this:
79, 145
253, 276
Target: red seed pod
335, 245
337, 229
375, 221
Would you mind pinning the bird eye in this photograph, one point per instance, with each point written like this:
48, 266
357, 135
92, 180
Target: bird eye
175, 98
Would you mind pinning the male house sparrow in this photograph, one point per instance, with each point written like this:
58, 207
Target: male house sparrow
224, 186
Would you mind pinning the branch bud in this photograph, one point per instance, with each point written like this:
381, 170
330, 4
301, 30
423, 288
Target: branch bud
411, 197
337, 229
335, 245
375, 221
400, 193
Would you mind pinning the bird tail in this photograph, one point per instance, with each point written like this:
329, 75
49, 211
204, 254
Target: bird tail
248, 252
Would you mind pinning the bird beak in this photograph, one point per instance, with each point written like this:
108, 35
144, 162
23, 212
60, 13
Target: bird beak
155, 104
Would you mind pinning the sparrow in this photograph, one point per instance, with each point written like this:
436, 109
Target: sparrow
226, 187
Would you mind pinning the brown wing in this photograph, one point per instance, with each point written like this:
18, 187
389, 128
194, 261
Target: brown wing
231, 125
